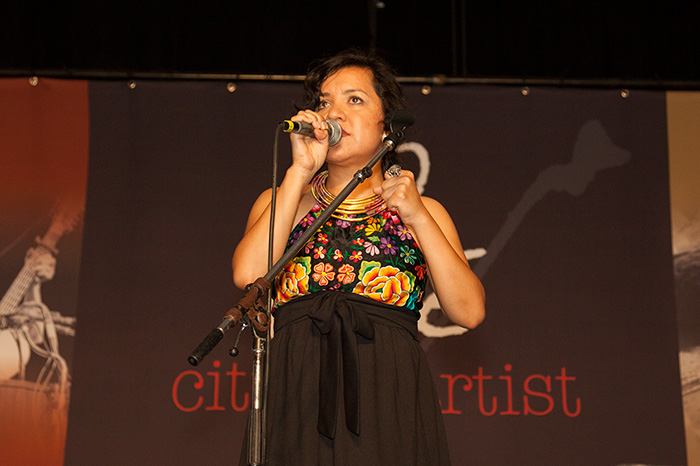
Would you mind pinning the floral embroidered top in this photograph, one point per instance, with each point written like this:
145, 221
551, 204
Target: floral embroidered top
376, 257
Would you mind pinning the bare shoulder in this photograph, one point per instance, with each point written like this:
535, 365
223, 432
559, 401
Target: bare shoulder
436, 209
264, 200
445, 223
264, 197
259, 206
261, 203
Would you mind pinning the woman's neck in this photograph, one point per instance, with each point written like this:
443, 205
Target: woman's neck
339, 177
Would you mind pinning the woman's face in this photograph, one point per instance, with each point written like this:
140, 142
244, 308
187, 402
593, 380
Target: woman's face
348, 96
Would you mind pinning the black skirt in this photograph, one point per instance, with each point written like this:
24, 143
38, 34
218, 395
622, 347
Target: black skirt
350, 385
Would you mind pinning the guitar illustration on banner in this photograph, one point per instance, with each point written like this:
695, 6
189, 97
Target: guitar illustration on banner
27, 326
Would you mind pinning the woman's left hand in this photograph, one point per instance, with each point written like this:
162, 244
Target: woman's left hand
401, 195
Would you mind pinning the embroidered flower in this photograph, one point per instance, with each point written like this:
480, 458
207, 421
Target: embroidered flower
413, 298
356, 256
307, 220
322, 238
293, 280
388, 245
323, 273
297, 234
346, 274
342, 223
338, 255
320, 252
385, 284
370, 248
408, 255
373, 228
421, 270
403, 232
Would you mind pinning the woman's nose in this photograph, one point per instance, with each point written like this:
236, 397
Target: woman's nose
336, 112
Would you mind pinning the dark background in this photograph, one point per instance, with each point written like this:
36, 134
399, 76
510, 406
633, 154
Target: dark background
585, 282
645, 44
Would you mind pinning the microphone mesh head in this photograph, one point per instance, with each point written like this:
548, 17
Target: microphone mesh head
334, 132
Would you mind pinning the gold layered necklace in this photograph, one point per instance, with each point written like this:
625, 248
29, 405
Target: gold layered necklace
352, 210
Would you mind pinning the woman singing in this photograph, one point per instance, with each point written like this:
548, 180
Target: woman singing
349, 383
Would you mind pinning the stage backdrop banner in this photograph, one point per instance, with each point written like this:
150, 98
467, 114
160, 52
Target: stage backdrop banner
43, 166
561, 198
683, 115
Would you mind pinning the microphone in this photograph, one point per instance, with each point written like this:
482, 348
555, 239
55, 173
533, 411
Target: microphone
335, 132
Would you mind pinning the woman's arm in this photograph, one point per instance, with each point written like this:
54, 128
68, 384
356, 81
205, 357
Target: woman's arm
250, 259
308, 154
458, 289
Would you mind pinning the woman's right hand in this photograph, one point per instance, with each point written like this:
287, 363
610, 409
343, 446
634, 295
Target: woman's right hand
309, 154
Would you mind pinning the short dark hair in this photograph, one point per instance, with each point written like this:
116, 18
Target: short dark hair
384, 79
383, 76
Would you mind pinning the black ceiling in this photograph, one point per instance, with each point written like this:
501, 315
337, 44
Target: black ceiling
654, 42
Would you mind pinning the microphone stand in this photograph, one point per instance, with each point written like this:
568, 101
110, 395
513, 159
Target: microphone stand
253, 311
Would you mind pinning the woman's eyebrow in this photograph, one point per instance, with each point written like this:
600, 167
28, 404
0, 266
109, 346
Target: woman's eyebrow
347, 91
